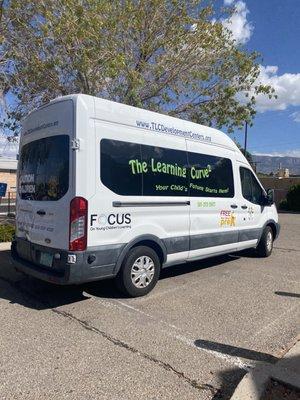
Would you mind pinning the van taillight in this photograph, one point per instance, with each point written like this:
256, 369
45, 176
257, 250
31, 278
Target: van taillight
78, 224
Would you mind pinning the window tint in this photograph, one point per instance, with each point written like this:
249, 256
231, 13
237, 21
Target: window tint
250, 187
116, 171
166, 172
134, 169
44, 169
210, 176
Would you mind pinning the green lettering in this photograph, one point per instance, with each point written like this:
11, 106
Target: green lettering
193, 171
144, 167
153, 165
132, 164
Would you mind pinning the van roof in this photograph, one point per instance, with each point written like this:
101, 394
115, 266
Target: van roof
131, 116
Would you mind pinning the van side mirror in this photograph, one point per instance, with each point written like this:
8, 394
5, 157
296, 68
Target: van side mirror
271, 196
268, 200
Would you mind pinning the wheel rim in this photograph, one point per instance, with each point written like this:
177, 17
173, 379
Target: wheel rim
269, 241
142, 272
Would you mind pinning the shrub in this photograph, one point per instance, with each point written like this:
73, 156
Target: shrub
6, 232
283, 205
293, 198
292, 201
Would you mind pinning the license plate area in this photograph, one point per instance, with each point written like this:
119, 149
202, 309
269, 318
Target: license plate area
46, 259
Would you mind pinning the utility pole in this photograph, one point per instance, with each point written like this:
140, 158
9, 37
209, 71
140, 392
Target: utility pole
246, 132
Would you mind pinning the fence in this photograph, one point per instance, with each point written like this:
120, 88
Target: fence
280, 186
8, 204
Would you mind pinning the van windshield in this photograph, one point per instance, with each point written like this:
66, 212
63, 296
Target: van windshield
44, 169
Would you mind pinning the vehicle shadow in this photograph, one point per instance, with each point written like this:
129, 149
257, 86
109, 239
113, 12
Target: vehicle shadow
33, 293
108, 288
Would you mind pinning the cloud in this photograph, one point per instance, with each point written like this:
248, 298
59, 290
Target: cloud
296, 116
8, 149
287, 88
237, 23
286, 153
287, 85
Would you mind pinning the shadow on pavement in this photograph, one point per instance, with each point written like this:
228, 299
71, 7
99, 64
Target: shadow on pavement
229, 379
33, 293
288, 294
235, 351
192, 266
107, 288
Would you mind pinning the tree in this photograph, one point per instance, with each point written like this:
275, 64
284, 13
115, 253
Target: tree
170, 56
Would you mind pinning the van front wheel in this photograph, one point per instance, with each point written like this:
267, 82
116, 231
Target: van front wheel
139, 272
265, 245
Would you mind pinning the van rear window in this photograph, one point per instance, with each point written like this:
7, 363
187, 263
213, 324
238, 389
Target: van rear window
44, 169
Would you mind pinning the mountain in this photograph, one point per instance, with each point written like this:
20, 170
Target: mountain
267, 164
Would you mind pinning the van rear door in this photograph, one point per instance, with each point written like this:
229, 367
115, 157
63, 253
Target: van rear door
45, 186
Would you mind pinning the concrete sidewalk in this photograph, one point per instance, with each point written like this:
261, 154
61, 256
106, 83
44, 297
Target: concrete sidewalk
286, 371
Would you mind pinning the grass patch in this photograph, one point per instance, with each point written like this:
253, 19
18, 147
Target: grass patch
6, 232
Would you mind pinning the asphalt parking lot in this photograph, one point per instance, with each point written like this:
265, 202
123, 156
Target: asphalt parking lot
194, 337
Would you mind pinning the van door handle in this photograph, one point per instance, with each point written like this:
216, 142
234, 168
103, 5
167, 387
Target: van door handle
244, 207
233, 206
41, 212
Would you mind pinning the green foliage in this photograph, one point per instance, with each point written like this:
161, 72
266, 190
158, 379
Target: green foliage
6, 232
292, 201
293, 198
170, 56
283, 205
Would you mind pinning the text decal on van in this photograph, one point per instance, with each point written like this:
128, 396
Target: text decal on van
138, 167
156, 127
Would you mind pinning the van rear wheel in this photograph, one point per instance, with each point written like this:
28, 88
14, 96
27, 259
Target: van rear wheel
265, 245
139, 272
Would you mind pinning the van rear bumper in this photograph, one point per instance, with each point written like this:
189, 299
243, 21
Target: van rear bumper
90, 265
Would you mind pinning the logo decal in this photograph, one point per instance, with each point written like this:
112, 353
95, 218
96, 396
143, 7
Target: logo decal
227, 218
105, 222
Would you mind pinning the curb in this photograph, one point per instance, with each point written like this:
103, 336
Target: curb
5, 246
286, 370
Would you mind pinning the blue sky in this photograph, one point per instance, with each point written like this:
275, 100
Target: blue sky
272, 27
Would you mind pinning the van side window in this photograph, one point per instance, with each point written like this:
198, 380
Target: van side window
141, 170
115, 169
251, 189
167, 172
210, 176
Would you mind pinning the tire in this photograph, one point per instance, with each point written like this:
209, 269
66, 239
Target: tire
265, 245
139, 272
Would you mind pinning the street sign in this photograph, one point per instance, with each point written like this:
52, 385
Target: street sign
3, 187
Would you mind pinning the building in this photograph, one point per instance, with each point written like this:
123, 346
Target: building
8, 173
283, 173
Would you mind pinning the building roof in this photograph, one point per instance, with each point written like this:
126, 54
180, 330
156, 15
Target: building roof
8, 163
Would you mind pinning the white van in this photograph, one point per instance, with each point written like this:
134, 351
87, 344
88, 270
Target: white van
106, 190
